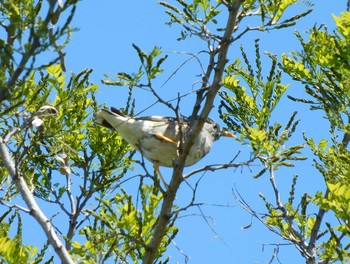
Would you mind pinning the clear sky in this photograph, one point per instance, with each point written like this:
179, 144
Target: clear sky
103, 43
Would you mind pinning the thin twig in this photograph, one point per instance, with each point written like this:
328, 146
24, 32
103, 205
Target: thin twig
296, 237
192, 56
215, 167
16, 206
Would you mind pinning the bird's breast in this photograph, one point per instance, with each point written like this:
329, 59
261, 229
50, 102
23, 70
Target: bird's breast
142, 135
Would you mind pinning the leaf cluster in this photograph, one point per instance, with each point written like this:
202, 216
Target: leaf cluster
121, 230
271, 11
248, 108
194, 17
333, 164
32, 28
199, 18
150, 67
12, 250
323, 66
70, 132
64, 157
291, 220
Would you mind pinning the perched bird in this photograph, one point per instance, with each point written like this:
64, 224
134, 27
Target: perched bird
157, 137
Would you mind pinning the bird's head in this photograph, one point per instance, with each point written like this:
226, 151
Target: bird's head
216, 130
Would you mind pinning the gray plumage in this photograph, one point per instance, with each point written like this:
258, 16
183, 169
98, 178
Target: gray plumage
156, 137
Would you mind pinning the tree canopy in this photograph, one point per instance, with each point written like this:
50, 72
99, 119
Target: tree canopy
105, 205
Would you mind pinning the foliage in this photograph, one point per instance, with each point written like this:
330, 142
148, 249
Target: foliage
200, 18
11, 249
32, 29
122, 230
65, 160
322, 66
194, 17
249, 110
52, 133
150, 67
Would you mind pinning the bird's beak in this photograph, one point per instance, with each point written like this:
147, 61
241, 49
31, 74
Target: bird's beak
227, 134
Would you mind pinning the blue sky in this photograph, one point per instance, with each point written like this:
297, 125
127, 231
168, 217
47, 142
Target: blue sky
103, 43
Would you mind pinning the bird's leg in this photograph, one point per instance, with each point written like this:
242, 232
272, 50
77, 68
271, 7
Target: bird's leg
166, 139
156, 168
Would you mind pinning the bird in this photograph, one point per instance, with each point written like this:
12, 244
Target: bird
157, 137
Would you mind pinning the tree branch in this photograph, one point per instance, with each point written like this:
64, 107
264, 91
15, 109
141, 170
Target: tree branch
177, 177
295, 237
215, 167
16, 206
311, 248
34, 208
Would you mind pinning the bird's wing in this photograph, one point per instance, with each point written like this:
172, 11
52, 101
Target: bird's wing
136, 128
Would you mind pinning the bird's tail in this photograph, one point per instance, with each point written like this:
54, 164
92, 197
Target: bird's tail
109, 119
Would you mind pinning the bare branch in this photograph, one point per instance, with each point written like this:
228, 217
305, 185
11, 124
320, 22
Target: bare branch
215, 167
311, 248
244, 205
187, 258
295, 237
61, 205
16, 206
247, 29
192, 56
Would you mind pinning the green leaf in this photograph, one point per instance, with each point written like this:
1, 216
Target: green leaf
343, 23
